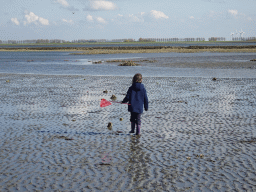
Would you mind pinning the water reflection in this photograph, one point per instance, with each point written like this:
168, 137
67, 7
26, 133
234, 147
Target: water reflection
138, 166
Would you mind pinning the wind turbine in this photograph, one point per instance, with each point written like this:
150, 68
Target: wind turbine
232, 35
236, 32
241, 33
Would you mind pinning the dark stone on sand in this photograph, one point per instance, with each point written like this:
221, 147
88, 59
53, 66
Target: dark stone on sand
253, 60
113, 97
214, 78
106, 91
110, 125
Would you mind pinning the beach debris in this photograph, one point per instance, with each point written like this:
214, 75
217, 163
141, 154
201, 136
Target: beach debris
119, 131
110, 125
97, 62
73, 120
84, 79
63, 137
106, 91
121, 119
7, 81
214, 78
253, 60
201, 155
68, 139
65, 124
188, 158
104, 164
128, 63
113, 97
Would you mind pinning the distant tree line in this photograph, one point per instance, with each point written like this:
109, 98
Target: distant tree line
217, 39
244, 39
170, 39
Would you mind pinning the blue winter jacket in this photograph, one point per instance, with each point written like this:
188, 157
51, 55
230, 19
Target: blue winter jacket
137, 97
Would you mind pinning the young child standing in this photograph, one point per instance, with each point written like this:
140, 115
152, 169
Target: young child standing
137, 97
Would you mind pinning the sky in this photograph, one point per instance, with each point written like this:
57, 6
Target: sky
122, 19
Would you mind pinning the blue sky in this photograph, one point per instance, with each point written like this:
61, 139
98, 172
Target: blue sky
118, 19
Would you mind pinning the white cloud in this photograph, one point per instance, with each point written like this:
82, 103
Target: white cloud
33, 18
15, 20
89, 18
233, 12
63, 2
158, 14
100, 20
102, 5
67, 21
43, 21
191, 17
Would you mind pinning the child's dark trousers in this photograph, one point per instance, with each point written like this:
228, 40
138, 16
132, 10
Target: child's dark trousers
135, 120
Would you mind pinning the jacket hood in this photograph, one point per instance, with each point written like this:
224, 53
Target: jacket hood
137, 86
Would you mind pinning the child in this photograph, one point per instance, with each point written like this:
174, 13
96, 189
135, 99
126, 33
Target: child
137, 97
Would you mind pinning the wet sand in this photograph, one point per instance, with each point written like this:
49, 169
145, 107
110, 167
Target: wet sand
198, 135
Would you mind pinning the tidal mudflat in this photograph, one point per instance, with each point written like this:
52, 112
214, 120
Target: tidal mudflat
198, 135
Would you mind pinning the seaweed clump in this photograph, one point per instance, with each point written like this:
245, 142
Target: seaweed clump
113, 97
128, 63
110, 125
97, 62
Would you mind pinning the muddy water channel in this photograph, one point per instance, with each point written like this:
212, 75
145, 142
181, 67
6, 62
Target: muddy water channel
198, 134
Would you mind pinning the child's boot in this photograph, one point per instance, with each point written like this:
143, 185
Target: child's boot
132, 127
137, 129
